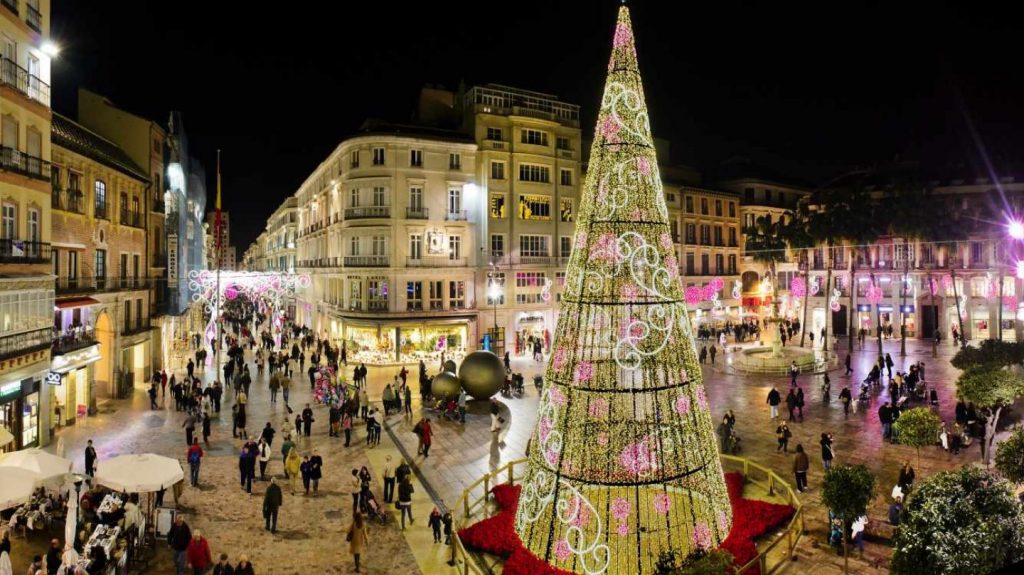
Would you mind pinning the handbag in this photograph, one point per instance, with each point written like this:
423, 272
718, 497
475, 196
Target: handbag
348, 536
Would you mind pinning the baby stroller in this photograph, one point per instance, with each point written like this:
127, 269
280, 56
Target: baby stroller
732, 443
371, 508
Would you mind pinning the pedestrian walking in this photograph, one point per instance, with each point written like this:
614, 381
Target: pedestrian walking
90, 459
356, 489
356, 538
389, 480
791, 402
800, 401
827, 455
275, 385
782, 434
206, 428
307, 420
223, 567
178, 538
434, 522
152, 396
293, 468
198, 553
346, 426
405, 491
244, 566
268, 434
426, 436
885, 418
800, 467
263, 451
408, 403
304, 471
713, 352
773, 401
286, 385
194, 456
447, 520
849, 370
316, 464
846, 398
272, 500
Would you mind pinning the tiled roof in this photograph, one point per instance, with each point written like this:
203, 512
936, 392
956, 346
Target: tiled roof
71, 135
375, 126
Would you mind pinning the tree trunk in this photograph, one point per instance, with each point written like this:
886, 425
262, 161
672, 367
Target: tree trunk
935, 306
959, 316
990, 434
999, 326
828, 310
878, 320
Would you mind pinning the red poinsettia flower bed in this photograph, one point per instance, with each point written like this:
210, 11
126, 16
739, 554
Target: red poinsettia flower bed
497, 534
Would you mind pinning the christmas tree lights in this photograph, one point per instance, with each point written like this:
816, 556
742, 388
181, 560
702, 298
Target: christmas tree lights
623, 460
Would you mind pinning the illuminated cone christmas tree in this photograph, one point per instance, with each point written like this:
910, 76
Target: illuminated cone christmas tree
623, 462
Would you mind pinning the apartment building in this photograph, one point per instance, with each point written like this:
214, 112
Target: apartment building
279, 246
102, 346
26, 283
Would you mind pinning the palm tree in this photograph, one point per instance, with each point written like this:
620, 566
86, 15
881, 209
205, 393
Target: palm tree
766, 244
798, 236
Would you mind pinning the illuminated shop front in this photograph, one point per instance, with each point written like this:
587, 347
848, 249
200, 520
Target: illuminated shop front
20, 411
908, 319
865, 318
532, 326
403, 341
70, 385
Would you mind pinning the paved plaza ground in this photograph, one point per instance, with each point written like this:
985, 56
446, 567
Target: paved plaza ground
311, 529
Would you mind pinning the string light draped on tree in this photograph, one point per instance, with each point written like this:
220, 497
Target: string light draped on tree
623, 463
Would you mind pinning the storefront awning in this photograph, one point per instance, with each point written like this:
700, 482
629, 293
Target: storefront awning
75, 302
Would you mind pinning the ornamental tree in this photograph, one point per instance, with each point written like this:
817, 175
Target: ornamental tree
846, 491
623, 462
991, 353
963, 521
1010, 456
918, 427
991, 390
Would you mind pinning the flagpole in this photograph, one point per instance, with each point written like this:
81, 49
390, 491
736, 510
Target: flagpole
216, 252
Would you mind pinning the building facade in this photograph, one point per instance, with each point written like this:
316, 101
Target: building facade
278, 240
227, 253
26, 281
102, 346
387, 228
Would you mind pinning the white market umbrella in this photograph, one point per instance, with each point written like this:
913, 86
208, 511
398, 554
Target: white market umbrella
47, 466
139, 473
71, 523
5, 564
16, 486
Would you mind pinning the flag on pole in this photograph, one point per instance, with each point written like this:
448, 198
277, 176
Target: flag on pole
216, 218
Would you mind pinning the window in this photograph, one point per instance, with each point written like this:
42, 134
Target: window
564, 246
353, 246
454, 161
123, 272
705, 235
378, 291
691, 233
379, 197
355, 294
33, 226
416, 199
732, 237
136, 210
689, 204
670, 197
534, 173
135, 266
380, 247
415, 246
749, 221
718, 208
497, 245
454, 247
494, 134
562, 143
496, 279
719, 264
718, 236
353, 198
353, 161
535, 137
416, 158
72, 264
10, 219
704, 206
497, 206
977, 252
101, 264
533, 246
704, 267
456, 294
497, 170
127, 315
534, 207
566, 177
767, 196
673, 226
436, 294
529, 287
454, 200
124, 208
414, 295
565, 209
378, 156
100, 190
732, 209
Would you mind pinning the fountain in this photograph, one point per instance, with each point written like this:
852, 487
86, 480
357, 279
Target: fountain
770, 357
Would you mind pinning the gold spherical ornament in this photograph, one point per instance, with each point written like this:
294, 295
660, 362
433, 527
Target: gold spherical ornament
445, 384
482, 374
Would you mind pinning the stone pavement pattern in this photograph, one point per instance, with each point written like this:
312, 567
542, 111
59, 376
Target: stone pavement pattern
311, 530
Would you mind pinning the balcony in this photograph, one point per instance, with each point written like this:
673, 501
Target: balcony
413, 306
100, 211
70, 200
368, 212
733, 244
11, 5
457, 216
158, 205
13, 160
140, 326
978, 264
78, 285
13, 75
377, 305
417, 213
132, 219
495, 145
536, 260
21, 251
565, 154
79, 339
25, 342
34, 19
435, 262
367, 261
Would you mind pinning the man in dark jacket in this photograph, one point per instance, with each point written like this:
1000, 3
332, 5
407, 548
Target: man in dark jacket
272, 500
307, 421
885, 417
90, 459
178, 538
774, 399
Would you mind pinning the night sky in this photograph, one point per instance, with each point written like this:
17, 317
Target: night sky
808, 90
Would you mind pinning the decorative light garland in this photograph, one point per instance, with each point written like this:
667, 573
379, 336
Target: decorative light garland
623, 460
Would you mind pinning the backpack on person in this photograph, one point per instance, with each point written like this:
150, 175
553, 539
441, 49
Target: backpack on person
193, 457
